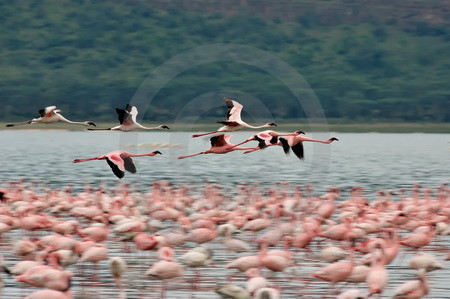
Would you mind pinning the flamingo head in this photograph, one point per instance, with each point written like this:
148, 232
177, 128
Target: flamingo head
90, 123
300, 132
272, 124
334, 139
156, 153
164, 127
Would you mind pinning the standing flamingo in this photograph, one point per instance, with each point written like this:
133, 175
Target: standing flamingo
413, 289
119, 161
118, 266
50, 115
220, 144
128, 123
234, 121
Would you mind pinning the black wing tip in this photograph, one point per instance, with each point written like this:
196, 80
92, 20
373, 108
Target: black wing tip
10, 125
285, 145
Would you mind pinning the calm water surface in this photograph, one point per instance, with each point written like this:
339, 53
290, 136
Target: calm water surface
374, 161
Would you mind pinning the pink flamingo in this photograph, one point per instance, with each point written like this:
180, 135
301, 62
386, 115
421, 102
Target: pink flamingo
47, 277
128, 122
234, 121
97, 233
50, 294
255, 281
220, 144
166, 268
268, 138
119, 161
377, 278
413, 289
50, 115
94, 254
296, 144
201, 235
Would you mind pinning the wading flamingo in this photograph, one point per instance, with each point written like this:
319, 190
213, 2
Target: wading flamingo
119, 161
413, 289
220, 144
234, 121
128, 123
50, 115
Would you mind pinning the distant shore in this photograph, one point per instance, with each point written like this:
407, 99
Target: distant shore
341, 128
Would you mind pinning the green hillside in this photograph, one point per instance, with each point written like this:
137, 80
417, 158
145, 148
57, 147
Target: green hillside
88, 57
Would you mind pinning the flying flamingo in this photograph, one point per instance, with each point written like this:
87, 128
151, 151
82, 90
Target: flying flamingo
128, 123
296, 144
220, 144
268, 138
119, 161
234, 121
50, 115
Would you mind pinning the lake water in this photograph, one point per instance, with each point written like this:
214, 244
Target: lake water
371, 160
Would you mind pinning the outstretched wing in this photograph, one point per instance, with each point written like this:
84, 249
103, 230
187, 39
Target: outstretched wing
129, 165
234, 110
132, 110
122, 114
285, 145
119, 173
218, 140
261, 142
298, 150
46, 110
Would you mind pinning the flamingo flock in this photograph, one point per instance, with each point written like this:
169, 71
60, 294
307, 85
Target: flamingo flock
121, 161
192, 241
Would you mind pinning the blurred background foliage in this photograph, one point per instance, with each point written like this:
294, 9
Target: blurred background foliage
367, 61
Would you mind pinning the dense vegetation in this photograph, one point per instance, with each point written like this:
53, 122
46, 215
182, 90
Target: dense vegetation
89, 56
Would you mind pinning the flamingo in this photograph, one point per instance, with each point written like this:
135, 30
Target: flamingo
128, 123
352, 294
296, 144
232, 291
119, 161
166, 268
413, 289
118, 266
220, 144
424, 261
268, 138
377, 278
234, 121
50, 294
50, 115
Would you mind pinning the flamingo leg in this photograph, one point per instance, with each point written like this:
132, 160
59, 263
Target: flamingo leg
184, 157
84, 160
199, 135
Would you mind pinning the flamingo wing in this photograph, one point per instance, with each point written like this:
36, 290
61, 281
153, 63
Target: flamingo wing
234, 110
132, 110
122, 114
218, 140
115, 169
298, 150
261, 142
285, 145
117, 165
129, 165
